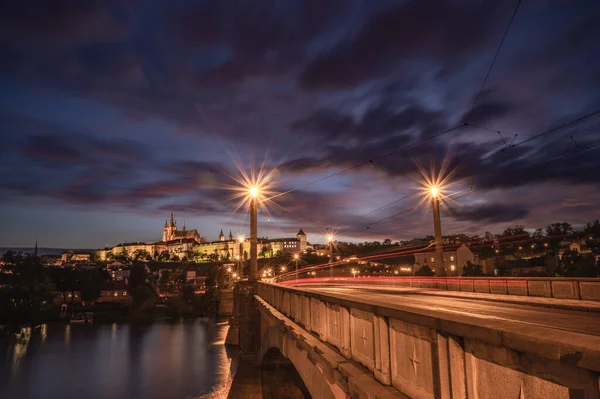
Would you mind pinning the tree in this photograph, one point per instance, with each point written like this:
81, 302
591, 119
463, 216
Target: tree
559, 229
387, 242
28, 290
10, 257
472, 269
187, 293
175, 258
140, 254
573, 264
90, 283
164, 256
137, 276
538, 233
245, 255
164, 282
424, 271
515, 230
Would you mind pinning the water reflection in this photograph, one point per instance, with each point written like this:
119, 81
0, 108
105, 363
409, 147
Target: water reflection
19, 348
164, 360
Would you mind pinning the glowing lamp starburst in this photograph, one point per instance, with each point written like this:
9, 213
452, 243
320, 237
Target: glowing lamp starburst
434, 191
253, 185
434, 184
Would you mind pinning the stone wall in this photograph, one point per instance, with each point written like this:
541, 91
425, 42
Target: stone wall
424, 355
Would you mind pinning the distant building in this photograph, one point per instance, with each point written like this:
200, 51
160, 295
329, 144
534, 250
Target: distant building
51, 260
454, 261
170, 232
188, 244
579, 246
71, 256
115, 291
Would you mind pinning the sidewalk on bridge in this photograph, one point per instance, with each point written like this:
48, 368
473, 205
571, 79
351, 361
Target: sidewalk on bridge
567, 304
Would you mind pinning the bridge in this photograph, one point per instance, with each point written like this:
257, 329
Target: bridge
426, 337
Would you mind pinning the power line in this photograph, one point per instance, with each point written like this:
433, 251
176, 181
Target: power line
534, 137
487, 75
390, 203
370, 161
401, 214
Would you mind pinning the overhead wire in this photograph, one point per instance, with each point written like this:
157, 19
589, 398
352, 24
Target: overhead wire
401, 214
487, 75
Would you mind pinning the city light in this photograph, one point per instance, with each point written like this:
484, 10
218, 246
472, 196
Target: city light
283, 268
434, 191
241, 238
296, 256
229, 269
234, 275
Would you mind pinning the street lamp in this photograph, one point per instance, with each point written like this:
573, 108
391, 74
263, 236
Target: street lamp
296, 261
440, 270
253, 234
330, 238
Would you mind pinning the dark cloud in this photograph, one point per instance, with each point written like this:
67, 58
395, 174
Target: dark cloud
435, 30
322, 85
256, 39
378, 122
491, 213
59, 22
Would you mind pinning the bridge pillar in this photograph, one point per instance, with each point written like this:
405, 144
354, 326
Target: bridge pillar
244, 329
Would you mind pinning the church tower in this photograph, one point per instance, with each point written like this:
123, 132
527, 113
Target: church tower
301, 236
170, 229
230, 236
221, 236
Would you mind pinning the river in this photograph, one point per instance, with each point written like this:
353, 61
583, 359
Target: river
177, 360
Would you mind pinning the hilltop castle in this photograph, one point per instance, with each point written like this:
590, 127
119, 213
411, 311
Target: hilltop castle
187, 244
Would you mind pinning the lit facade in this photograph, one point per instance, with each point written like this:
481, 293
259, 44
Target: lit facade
454, 261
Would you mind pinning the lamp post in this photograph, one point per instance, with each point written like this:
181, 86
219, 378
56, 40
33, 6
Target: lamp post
241, 240
330, 239
296, 261
440, 270
253, 235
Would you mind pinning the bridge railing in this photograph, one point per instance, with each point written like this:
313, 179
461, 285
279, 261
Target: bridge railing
548, 287
428, 353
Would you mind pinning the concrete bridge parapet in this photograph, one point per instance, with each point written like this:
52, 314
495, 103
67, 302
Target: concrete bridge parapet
348, 348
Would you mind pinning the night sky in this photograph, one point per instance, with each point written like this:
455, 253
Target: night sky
116, 113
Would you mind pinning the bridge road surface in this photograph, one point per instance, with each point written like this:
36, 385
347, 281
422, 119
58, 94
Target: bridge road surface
579, 321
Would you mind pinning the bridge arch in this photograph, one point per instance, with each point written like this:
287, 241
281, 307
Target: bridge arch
274, 339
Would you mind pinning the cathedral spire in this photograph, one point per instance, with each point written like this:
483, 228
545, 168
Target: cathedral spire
230, 236
172, 220
35, 250
183, 224
166, 223
221, 236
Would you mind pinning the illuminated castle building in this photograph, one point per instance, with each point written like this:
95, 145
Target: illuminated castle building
189, 245
171, 233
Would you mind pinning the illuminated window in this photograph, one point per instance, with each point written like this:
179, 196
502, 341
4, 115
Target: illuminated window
452, 258
116, 293
124, 293
433, 259
69, 295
